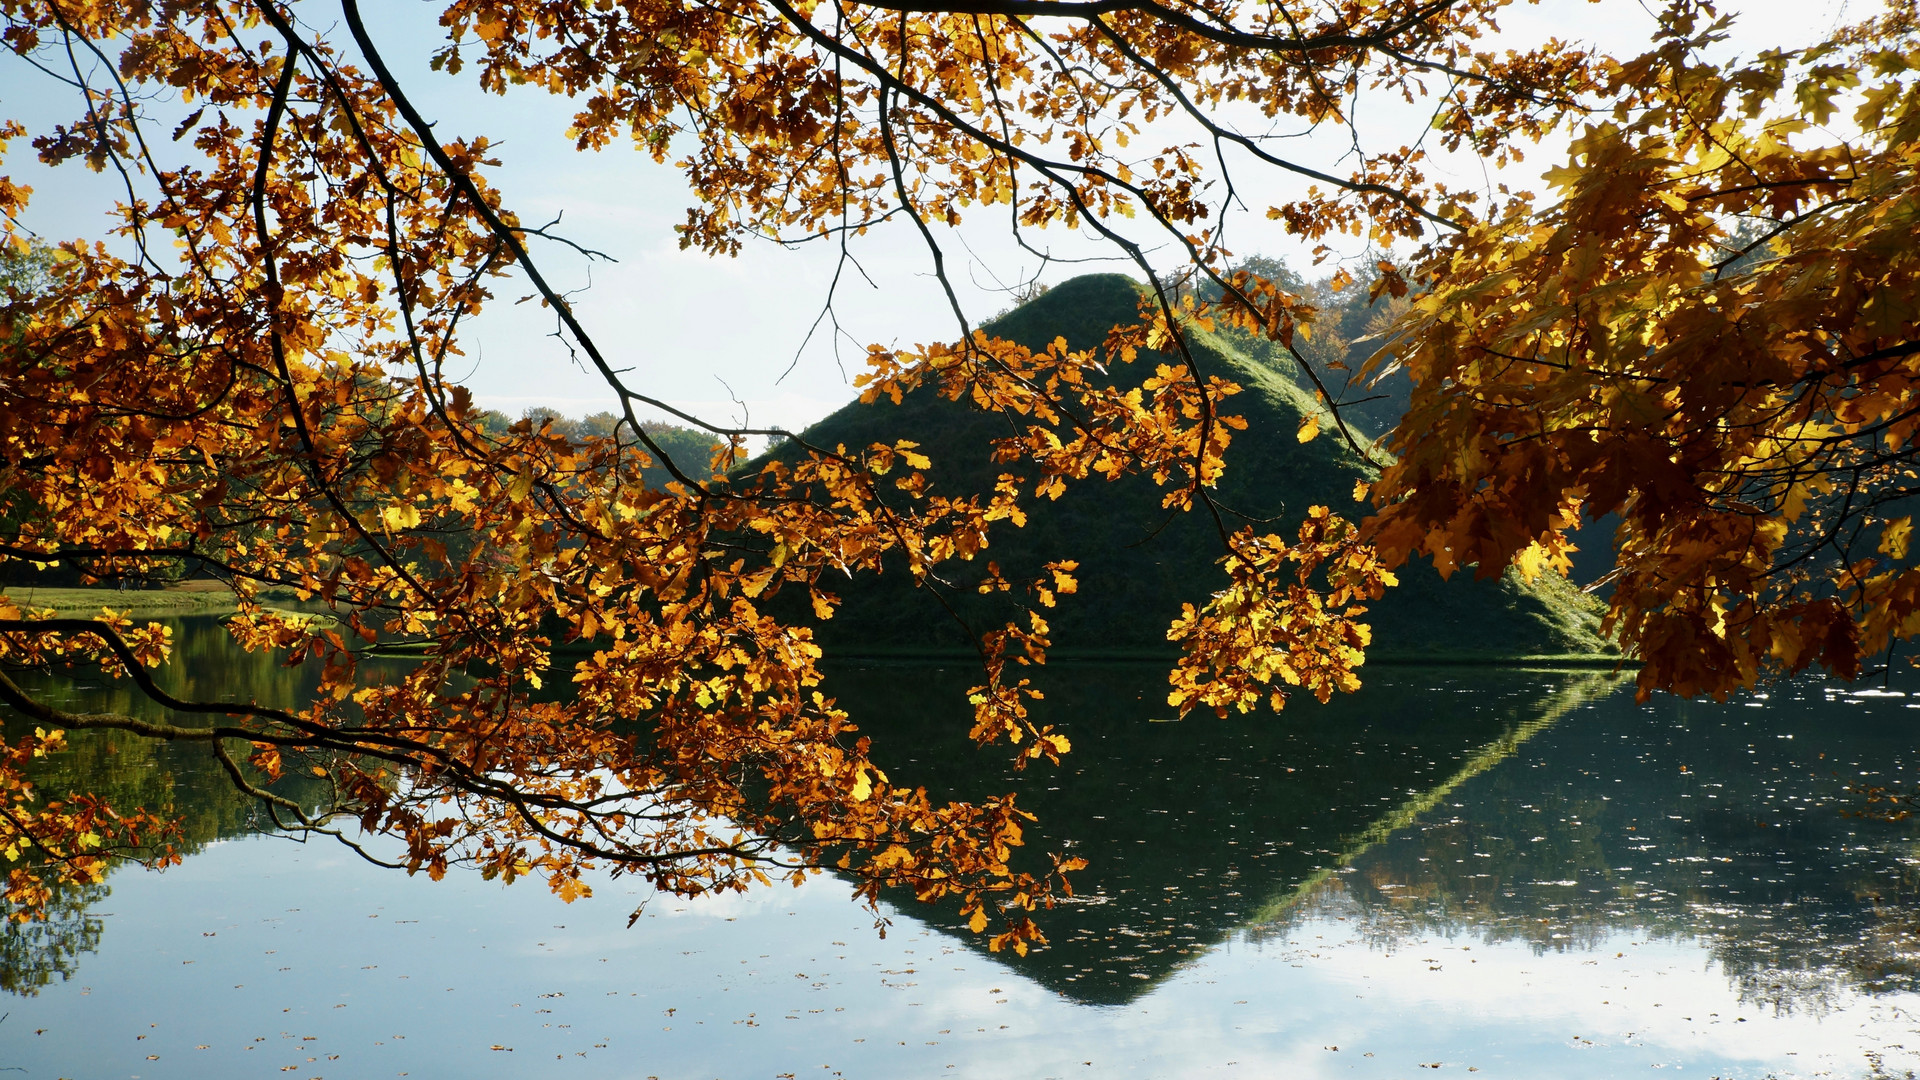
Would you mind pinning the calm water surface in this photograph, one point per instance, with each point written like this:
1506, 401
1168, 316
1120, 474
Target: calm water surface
1519, 873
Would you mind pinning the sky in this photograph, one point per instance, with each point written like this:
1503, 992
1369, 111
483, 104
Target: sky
728, 338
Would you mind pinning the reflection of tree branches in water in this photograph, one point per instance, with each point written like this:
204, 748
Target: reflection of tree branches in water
169, 777
33, 954
140, 773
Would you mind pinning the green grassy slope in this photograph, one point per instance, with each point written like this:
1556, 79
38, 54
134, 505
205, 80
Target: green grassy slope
86, 601
1135, 573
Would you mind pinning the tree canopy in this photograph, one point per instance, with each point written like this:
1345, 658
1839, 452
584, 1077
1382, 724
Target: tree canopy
1709, 330
248, 369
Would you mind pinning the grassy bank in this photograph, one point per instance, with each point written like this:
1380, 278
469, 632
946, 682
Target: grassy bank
194, 600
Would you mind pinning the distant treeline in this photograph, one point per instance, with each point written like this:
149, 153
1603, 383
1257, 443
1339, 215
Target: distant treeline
691, 450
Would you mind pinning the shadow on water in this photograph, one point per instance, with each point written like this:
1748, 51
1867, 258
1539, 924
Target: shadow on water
1498, 805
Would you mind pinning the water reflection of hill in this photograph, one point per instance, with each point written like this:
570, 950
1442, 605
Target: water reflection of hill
1193, 828
1720, 824
1454, 803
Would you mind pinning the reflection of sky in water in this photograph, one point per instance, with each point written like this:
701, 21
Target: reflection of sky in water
409, 977
1502, 872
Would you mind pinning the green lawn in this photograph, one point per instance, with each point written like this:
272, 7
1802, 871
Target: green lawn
89, 601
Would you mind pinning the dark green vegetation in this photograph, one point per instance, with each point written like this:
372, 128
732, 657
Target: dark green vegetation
1137, 564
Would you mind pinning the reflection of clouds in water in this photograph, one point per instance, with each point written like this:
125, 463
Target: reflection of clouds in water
1807, 958
1815, 980
820, 988
1279, 1007
720, 905
1633, 998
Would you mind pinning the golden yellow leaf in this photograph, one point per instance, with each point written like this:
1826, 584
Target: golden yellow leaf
1896, 536
1531, 561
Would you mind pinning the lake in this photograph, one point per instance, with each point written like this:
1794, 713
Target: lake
1511, 873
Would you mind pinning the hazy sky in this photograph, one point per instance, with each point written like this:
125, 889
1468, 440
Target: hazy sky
699, 331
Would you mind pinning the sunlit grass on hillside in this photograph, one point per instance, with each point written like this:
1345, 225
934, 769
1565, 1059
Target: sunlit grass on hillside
1137, 563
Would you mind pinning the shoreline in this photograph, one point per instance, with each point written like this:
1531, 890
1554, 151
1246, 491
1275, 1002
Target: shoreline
1383, 658
219, 600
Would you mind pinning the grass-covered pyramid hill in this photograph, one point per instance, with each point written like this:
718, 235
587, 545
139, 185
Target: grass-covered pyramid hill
1133, 578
